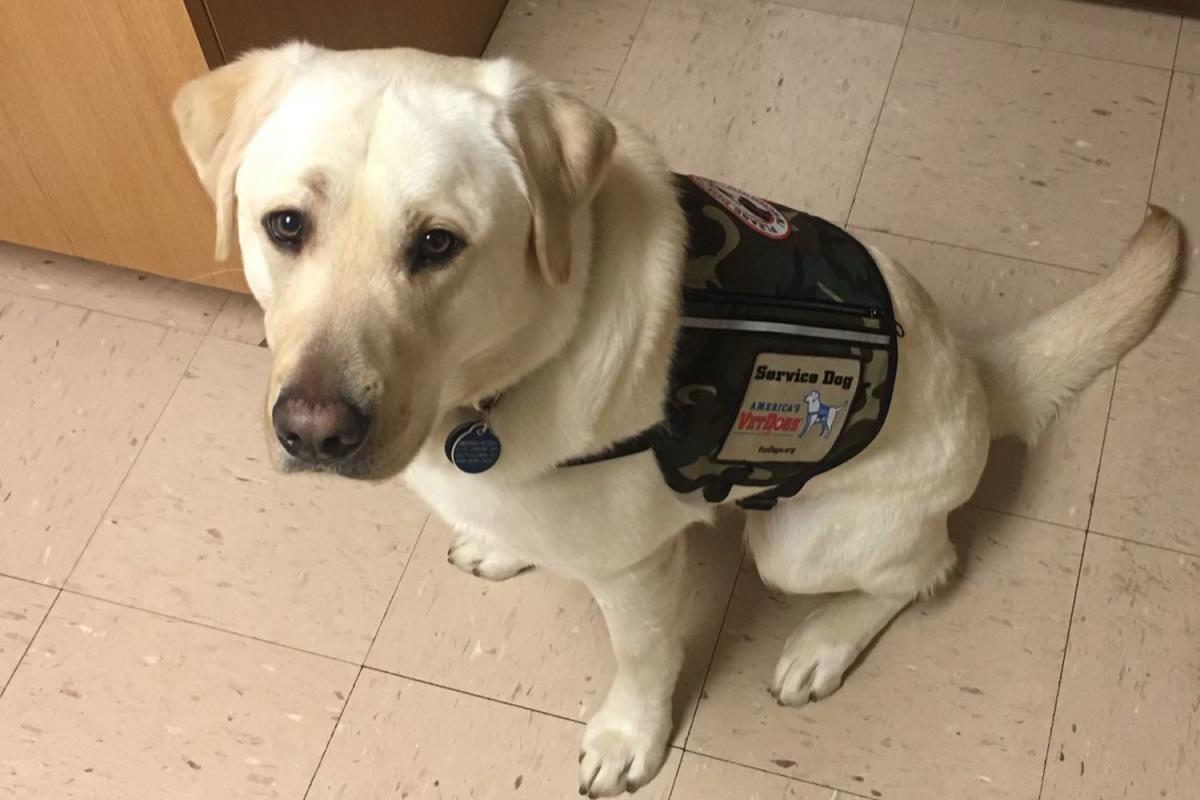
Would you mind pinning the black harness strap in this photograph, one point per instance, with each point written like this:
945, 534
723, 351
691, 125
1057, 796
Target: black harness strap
638, 443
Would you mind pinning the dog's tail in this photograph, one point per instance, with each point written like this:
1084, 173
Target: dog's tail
1033, 374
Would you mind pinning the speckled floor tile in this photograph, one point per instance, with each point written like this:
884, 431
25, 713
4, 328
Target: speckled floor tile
399, 738
1082, 27
1013, 150
535, 640
1187, 59
954, 700
581, 43
1127, 713
240, 320
893, 11
1176, 175
81, 391
703, 778
982, 295
1025, 128
1147, 485
205, 529
776, 99
117, 703
22, 608
100, 287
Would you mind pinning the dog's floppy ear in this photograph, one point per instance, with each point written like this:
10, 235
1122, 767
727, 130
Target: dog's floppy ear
219, 112
564, 147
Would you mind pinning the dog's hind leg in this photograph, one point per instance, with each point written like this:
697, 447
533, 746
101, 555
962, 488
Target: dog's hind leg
483, 557
830, 639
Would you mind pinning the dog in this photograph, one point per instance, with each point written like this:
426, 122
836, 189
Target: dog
437, 241
817, 412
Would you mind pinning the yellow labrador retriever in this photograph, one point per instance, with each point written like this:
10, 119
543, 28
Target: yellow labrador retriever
425, 233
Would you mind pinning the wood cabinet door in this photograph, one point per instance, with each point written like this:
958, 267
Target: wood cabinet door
90, 162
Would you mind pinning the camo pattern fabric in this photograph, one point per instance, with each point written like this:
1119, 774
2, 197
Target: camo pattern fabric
786, 355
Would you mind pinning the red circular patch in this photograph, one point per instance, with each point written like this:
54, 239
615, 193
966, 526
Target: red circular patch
754, 212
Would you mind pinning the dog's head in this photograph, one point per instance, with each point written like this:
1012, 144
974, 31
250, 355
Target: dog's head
405, 221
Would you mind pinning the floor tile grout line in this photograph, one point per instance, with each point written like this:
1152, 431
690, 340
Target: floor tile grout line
212, 323
332, 732
1112, 396
395, 589
776, 774
217, 316
49, 610
210, 626
476, 695
1015, 515
1160, 547
114, 314
134, 461
1040, 49
712, 657
993, 253
675, 777
231, 340
1062, 668
838, 14
632, 41
862, 172
31, 581
1162, 131
1178, 44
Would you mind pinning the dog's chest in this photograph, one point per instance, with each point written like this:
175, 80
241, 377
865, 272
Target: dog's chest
574, 520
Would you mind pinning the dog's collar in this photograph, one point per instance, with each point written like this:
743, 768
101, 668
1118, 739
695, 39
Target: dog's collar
485, 404
473, 446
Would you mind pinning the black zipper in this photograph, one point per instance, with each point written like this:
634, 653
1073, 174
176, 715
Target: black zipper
749, 298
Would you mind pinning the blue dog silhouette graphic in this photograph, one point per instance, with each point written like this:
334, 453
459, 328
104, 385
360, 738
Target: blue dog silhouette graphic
817, 412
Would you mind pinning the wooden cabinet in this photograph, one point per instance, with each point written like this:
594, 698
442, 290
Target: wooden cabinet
90, 164
88, 152
456, 27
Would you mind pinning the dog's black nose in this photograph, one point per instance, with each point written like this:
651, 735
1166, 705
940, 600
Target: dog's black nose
318, 430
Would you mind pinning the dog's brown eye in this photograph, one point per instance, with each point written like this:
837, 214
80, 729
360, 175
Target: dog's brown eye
434, 247
286, 227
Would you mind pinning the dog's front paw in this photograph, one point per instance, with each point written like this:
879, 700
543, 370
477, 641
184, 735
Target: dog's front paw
622, 753
483, 560
812, 665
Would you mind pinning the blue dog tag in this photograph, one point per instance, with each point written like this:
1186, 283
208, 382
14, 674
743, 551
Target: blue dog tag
473, 448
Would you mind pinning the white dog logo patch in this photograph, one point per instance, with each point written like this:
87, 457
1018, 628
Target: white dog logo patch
817, 413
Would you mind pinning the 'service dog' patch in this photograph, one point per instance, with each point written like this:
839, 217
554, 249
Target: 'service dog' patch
794, 408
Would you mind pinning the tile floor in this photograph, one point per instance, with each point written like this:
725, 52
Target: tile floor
178, 621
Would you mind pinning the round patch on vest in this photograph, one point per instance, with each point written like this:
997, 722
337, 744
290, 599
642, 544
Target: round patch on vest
754, 212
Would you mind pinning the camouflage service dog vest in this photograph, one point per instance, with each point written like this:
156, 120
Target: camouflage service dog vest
786, 354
